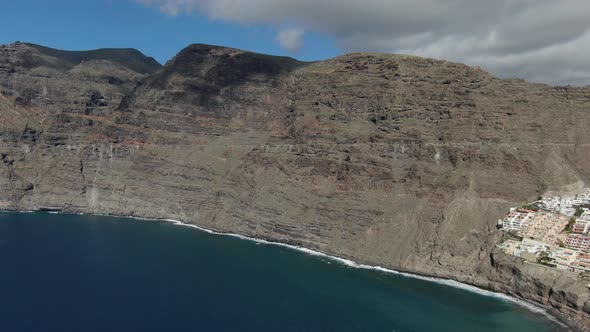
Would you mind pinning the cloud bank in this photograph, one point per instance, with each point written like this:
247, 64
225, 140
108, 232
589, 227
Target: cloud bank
541, 40
291, 39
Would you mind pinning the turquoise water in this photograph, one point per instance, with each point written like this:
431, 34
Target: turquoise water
88, 273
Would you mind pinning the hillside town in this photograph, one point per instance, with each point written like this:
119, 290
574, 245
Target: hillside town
554, 232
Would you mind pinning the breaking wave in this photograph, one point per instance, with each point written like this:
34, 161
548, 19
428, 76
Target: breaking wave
349, 263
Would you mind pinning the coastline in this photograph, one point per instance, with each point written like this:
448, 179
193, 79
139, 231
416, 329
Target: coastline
528, 305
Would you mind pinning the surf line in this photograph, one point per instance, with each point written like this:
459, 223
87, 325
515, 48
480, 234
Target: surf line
349, 263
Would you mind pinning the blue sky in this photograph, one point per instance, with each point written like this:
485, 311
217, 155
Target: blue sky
90, 24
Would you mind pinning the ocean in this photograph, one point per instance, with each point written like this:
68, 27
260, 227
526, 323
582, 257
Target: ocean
95, 273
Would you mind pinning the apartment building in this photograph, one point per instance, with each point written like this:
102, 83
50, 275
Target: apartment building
517, 219
545, 227
578, 242
581, 227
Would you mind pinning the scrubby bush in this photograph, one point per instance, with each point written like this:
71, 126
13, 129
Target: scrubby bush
27, 95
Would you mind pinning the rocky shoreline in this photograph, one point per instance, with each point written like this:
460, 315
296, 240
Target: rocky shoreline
570, 318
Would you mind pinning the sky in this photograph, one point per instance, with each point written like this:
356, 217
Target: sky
540, 40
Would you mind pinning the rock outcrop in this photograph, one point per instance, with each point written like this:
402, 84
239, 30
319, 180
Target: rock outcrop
387, 159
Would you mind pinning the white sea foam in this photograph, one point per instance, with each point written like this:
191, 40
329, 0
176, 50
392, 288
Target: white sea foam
349, 263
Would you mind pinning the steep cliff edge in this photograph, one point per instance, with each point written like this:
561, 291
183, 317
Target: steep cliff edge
387, 159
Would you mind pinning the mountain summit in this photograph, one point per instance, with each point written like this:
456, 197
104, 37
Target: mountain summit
33, 56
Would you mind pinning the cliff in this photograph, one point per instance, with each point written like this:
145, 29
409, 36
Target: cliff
388, 159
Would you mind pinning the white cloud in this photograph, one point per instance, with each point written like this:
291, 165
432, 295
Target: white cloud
541, 40
291, 39
172, 8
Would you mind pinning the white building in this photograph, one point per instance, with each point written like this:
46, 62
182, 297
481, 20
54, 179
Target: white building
586, 214
567, 204
563, 257
532, 246
517, 219
578, 242
581, 264
581, 227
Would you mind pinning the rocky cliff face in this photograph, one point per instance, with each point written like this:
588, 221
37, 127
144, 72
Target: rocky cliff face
387, 159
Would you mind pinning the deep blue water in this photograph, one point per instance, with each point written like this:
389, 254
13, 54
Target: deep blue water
87, 273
